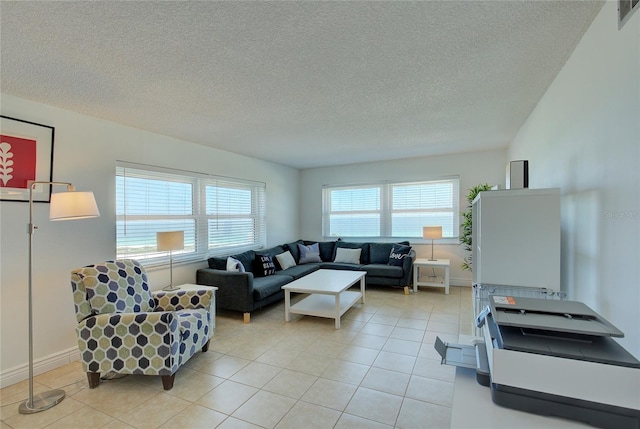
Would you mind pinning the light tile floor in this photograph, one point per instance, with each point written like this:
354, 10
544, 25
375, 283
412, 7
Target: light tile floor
379, 371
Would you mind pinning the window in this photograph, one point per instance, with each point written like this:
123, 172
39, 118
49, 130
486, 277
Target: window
217, 214
391, 210
625, 9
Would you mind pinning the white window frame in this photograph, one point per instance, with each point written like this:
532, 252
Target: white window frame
385, 210
197, 242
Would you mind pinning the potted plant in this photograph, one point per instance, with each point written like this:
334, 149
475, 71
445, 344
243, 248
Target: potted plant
466, 227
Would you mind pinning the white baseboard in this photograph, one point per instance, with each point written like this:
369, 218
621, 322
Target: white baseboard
40, 366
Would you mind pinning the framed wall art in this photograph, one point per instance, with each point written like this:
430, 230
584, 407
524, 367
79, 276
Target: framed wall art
26, 153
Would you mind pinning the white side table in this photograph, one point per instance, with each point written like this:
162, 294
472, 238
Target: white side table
437, 281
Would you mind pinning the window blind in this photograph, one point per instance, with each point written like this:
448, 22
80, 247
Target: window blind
391, 210
217, 214
235, 216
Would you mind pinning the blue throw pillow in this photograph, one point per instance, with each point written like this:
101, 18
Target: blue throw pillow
309, 253
398, 253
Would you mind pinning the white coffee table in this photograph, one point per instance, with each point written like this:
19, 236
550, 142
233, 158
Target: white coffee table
328, 297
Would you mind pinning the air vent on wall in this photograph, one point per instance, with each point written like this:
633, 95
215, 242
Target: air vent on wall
625, 10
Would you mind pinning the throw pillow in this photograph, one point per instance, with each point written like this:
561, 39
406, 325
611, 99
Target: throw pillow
348, 256
264, 265
234, 265
398, 253
309, 253
286, 260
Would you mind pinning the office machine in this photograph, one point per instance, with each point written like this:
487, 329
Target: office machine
552, 357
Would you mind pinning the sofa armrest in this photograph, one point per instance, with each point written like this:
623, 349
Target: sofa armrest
235, 290
407, 267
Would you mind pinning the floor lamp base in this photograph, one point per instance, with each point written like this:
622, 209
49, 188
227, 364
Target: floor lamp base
42, 401
170, 288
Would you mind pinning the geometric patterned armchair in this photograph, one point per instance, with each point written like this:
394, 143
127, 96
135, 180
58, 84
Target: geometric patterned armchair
126, 328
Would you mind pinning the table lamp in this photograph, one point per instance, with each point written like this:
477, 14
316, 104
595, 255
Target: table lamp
69, 205
432, 233
170, 241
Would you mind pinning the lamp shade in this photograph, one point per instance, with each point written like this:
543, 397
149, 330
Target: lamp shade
73, 205
170, 240
432, 232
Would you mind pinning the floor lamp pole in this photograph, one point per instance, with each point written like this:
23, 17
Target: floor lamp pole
46, 400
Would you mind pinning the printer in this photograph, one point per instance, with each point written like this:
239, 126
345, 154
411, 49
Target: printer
552, 357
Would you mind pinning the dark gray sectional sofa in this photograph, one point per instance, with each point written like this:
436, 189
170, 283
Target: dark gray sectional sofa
248, 291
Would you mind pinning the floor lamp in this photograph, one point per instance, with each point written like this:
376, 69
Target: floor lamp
432, 233
170, 241
70, 205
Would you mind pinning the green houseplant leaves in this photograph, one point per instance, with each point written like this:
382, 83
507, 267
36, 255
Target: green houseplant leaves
466, 228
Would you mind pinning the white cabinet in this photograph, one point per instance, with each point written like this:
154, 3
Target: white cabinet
516, 238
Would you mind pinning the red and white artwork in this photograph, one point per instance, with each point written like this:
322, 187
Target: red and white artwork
17, 161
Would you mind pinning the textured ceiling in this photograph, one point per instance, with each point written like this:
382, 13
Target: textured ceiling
303, 83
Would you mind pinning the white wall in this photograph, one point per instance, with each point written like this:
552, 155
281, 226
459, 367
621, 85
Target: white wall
472, 168
85, 153
584, 137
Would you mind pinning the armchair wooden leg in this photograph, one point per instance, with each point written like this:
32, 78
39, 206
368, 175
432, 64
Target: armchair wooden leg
206, 346
247, 317
94, 379
167, 381
406, 290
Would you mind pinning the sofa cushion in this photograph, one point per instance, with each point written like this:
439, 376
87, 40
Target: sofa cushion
293, 248
364, 255
263, 265
263, 287
398, 253
310, 253
217, 263
326, 250
340, 266
272, 251
298, 271
245, 258
383, 270
379, 252
349, 256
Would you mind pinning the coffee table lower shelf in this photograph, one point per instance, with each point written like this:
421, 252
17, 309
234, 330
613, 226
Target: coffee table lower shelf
322, 305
